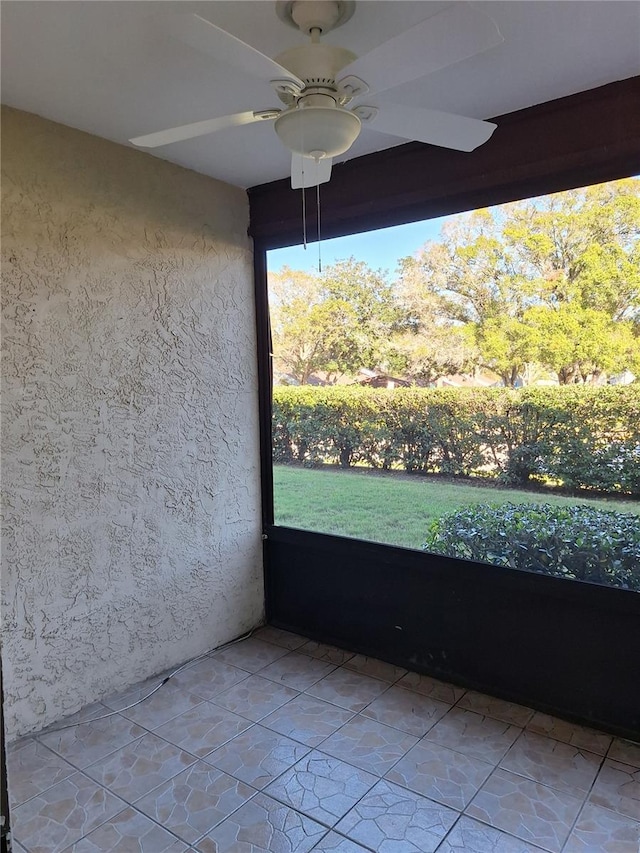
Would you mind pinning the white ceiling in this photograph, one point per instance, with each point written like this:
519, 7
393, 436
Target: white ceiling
109, 68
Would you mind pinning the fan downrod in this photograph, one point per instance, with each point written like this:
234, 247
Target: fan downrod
309, 15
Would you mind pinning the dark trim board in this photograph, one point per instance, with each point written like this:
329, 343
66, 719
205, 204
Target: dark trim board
567, 648
265, 380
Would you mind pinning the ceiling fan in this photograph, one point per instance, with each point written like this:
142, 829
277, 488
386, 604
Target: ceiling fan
318, 84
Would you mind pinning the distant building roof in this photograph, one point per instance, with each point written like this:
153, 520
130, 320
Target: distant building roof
379, 379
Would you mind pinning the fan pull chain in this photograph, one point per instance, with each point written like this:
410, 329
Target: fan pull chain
318, 214
304, 211
304, 218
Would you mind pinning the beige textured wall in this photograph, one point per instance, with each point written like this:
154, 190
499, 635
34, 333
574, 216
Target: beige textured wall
130, 447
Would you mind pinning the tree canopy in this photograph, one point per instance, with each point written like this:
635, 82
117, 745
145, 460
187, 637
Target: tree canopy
547, 284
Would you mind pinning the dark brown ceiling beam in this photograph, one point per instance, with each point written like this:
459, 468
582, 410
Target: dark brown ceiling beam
582, 139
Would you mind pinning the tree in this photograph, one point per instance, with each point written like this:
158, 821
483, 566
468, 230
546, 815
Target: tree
575, 252
551, 282
506, 347
430, 345
311, 338
335, 322
580, 343
427, 355
581, 246
470, 272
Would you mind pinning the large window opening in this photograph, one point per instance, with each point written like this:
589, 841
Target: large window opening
469, 385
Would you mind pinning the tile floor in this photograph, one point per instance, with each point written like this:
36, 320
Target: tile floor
284, 745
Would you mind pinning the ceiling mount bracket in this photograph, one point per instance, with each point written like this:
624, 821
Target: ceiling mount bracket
325, 15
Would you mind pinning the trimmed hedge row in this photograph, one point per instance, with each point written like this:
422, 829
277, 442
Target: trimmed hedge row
576, 436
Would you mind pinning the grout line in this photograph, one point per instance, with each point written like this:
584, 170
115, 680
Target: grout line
535, 781
497, 829
204, 834
106, 820
75, 769
127, 806
585, 801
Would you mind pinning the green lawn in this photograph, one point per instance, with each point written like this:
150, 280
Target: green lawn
389, 508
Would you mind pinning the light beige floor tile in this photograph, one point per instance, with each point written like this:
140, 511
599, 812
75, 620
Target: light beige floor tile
297, 671
307, 720
280, 638
406, 710
552, 763
208, 678
350, 690
255, 697
257, 756
263, 825
62, 814
32, 768
526, 809
251, 655
203, 728
195, 801
322, 787
617, 787
375, 668
368, 744
390, 818
334, 843
489, 706
139, 767
129, 832
471, 836
441, 774
583, 738
322, 651
428, 686
625, 751
474, 735
87, 742
599, 830
165, 704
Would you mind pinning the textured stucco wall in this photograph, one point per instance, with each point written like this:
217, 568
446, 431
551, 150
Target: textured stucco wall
130, 445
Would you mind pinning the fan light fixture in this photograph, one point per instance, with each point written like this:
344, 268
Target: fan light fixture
316, 81
318, 132
321, 85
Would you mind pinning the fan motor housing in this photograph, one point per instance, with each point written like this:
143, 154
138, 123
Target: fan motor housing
316, 64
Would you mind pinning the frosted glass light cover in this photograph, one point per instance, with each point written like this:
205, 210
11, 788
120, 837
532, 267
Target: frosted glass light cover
311, 131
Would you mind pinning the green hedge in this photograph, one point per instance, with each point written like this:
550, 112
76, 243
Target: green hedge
576, 436
577, 542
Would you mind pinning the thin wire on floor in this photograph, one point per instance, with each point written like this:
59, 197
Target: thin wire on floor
155, 689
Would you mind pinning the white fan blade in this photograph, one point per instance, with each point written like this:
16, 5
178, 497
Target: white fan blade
448, 37
200, 128
224, 47
432, 126
307, 172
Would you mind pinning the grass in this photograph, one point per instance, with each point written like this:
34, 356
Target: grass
391, 508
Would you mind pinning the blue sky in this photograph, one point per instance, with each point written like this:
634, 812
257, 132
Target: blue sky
379, 249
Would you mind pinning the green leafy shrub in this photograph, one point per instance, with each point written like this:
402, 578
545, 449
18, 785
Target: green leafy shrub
578, 542
580, 437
